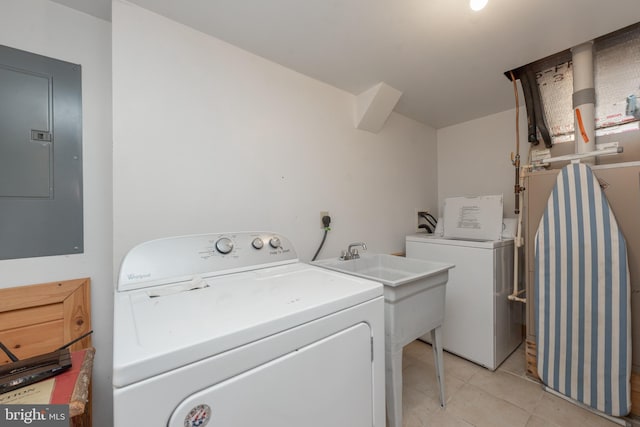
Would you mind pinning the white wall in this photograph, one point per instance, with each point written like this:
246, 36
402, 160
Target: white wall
211, 138
474, 157
49, 29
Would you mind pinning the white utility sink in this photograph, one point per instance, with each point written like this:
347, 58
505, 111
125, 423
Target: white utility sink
414, 294
389, 269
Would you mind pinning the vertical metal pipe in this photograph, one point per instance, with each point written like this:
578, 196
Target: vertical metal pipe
584, 99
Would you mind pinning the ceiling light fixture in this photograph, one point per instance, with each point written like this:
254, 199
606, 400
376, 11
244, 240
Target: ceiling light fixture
477, 4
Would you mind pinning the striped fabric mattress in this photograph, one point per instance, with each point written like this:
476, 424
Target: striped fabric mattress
582, 296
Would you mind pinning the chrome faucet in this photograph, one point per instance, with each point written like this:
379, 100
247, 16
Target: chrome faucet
351, 252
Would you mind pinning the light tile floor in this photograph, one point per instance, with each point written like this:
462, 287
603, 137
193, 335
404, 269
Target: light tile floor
476, 396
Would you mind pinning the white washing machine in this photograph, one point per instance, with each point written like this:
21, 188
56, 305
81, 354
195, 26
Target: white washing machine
480, 323
232, 330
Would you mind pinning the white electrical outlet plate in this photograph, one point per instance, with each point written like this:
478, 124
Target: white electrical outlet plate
322, 215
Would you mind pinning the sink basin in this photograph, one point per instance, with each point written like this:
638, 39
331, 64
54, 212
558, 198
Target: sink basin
414, 294
392, 271
388, 269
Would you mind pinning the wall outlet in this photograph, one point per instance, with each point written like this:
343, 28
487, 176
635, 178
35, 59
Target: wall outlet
419, 220
322, 215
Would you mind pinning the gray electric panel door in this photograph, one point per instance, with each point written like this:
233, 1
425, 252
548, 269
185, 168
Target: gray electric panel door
40, 156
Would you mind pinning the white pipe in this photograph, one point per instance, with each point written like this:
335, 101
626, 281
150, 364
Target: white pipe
582, 156
584, 99
582, 66
517, 244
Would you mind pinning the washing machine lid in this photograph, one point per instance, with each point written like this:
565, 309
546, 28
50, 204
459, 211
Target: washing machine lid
436, 240
165, 327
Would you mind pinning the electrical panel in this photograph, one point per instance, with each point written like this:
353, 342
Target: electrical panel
40, 156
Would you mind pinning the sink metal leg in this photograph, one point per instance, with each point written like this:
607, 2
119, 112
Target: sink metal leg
393, 368
436, 345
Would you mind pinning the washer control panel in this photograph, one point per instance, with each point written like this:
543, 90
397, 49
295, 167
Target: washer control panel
174, 259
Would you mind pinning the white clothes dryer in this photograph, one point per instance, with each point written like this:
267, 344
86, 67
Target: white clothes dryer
232, 330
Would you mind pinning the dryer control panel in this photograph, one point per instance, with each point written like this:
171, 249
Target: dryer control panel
176, 259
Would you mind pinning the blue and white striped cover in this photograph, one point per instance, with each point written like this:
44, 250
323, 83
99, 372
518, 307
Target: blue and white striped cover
582, 295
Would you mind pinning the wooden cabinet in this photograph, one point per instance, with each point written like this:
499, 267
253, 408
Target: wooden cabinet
38, 319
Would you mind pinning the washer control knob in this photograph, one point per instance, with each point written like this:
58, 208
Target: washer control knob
274, 242
257, 243
224, 245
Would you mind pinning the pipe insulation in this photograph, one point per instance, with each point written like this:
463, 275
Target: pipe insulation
584, 99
